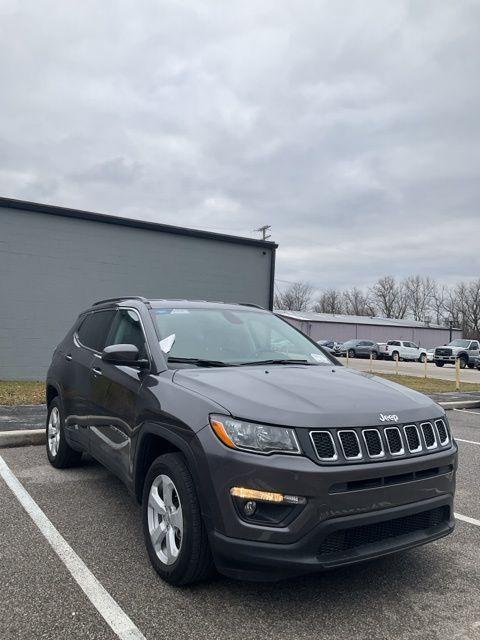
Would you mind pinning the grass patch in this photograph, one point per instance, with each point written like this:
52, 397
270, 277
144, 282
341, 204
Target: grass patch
22, 392
429, 385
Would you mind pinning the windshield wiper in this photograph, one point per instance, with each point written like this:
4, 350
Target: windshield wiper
280, 361
200, 362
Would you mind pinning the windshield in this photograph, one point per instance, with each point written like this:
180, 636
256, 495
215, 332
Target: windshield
459, 343
234, 336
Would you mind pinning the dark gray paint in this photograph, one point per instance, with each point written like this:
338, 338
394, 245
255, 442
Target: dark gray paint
55, 262
120, 417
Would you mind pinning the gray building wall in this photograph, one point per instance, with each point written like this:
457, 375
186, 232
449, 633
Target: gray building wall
52, 267
427, 337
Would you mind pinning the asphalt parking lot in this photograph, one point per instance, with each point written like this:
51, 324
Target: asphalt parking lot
432, 592
413, 369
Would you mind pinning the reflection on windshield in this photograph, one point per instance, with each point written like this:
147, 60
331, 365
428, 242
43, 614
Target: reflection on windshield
459, 343
235, 337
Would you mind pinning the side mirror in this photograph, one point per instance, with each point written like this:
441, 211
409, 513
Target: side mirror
123, 354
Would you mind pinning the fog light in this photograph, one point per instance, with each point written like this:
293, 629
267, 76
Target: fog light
250, 507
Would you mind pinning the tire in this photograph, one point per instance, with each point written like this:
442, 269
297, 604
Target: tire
374, 355
471, 365
422, 358
186, 533
60, 454
351, 353
463, 362
439, 364
395, 355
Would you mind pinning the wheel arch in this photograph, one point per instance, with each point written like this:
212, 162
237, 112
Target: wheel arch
52, 390
156, 439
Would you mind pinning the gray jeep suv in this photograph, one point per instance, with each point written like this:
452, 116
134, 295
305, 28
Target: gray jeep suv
250, 449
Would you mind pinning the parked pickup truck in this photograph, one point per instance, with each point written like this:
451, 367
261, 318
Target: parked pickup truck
465, 350
402, 350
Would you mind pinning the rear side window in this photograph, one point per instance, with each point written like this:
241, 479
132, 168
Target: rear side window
93, 331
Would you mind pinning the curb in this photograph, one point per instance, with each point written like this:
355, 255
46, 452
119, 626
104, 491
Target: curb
460, 404
22, 438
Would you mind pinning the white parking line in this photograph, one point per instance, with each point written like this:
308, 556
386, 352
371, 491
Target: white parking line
467, 519
468, 441
110, 611
477, 413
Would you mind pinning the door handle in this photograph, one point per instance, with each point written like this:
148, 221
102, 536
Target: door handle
68, 357
97, 371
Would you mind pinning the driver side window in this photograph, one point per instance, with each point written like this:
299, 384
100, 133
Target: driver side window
127, 329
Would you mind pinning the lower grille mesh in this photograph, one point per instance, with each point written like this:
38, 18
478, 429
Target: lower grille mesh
346, 539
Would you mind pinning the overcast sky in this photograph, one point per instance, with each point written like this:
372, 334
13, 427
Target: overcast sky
353, 128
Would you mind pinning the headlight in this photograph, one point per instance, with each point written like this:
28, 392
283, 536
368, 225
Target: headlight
258, 438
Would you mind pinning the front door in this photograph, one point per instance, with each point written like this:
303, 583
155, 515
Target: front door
115, 390
79, 357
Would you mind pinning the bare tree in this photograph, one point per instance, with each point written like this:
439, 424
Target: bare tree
357, 303
331, 301
471, 309
437, 303
389, 297
297, 297
419, 291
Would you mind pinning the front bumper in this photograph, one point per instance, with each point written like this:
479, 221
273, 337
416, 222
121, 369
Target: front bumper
338, 498
262, 561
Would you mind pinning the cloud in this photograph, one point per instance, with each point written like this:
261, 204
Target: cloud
352, 128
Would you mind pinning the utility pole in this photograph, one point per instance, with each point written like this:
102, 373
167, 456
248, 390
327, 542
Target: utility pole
263, 230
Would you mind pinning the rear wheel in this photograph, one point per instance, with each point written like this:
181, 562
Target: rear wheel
175, 534
395, 355
59, 452
351, 353
374, 355
463, 362
422, 357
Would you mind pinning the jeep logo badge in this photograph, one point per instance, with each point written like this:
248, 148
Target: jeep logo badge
390, 418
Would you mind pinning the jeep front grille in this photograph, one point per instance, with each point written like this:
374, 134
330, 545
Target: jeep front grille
324, 445
394, 439
429, 435
372, 444
442, 432
350, 444
413, 438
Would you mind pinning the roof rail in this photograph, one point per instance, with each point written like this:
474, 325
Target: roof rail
250, 304
120, 299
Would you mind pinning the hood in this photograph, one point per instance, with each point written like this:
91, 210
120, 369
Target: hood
312, 396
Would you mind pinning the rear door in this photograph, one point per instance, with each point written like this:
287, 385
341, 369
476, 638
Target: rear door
115, 392
78, 406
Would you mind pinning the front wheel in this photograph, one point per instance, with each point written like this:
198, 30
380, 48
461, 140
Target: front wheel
463, 363
422, 358
59, 452
173, 527
439, 364
374, 355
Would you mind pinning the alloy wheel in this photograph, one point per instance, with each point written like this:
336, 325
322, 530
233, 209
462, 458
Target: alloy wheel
165, 519
53, 432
